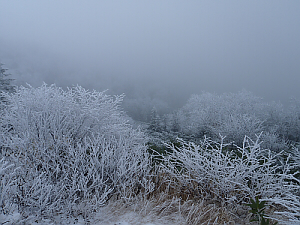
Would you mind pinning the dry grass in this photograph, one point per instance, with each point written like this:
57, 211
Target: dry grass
165, 209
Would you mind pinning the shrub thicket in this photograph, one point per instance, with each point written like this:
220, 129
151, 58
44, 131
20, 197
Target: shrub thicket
232, 176
67, 151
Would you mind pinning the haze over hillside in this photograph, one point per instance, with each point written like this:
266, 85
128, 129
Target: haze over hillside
164, 50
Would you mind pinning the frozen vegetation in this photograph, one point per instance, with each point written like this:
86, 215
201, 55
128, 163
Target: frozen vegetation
68, 152
71, 156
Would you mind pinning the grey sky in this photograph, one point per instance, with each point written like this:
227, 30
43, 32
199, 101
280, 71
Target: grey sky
162, 47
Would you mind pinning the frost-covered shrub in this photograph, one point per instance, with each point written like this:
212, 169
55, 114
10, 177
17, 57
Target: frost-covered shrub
272, 140
236, 127
233, 115
217, 173
73, 149
211, 114
7, 172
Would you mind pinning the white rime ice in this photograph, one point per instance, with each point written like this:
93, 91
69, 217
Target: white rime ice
67, 152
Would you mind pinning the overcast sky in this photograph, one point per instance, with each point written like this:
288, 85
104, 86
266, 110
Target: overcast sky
165, 48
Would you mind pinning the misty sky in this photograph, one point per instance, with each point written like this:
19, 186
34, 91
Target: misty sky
161, 48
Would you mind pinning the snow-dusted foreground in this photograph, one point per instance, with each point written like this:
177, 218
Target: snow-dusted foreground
126, 219
109, 215
169, 212
140, 212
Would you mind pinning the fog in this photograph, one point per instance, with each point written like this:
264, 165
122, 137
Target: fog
163, 50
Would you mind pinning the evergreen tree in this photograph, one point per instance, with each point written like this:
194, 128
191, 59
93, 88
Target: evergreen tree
175, 123
5, 83
155, 121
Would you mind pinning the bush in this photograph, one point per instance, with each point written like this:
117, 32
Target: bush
223, 175
233, 115
69, 151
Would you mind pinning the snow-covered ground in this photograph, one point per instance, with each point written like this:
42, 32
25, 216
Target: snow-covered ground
139, 212
149, 212
104, 217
